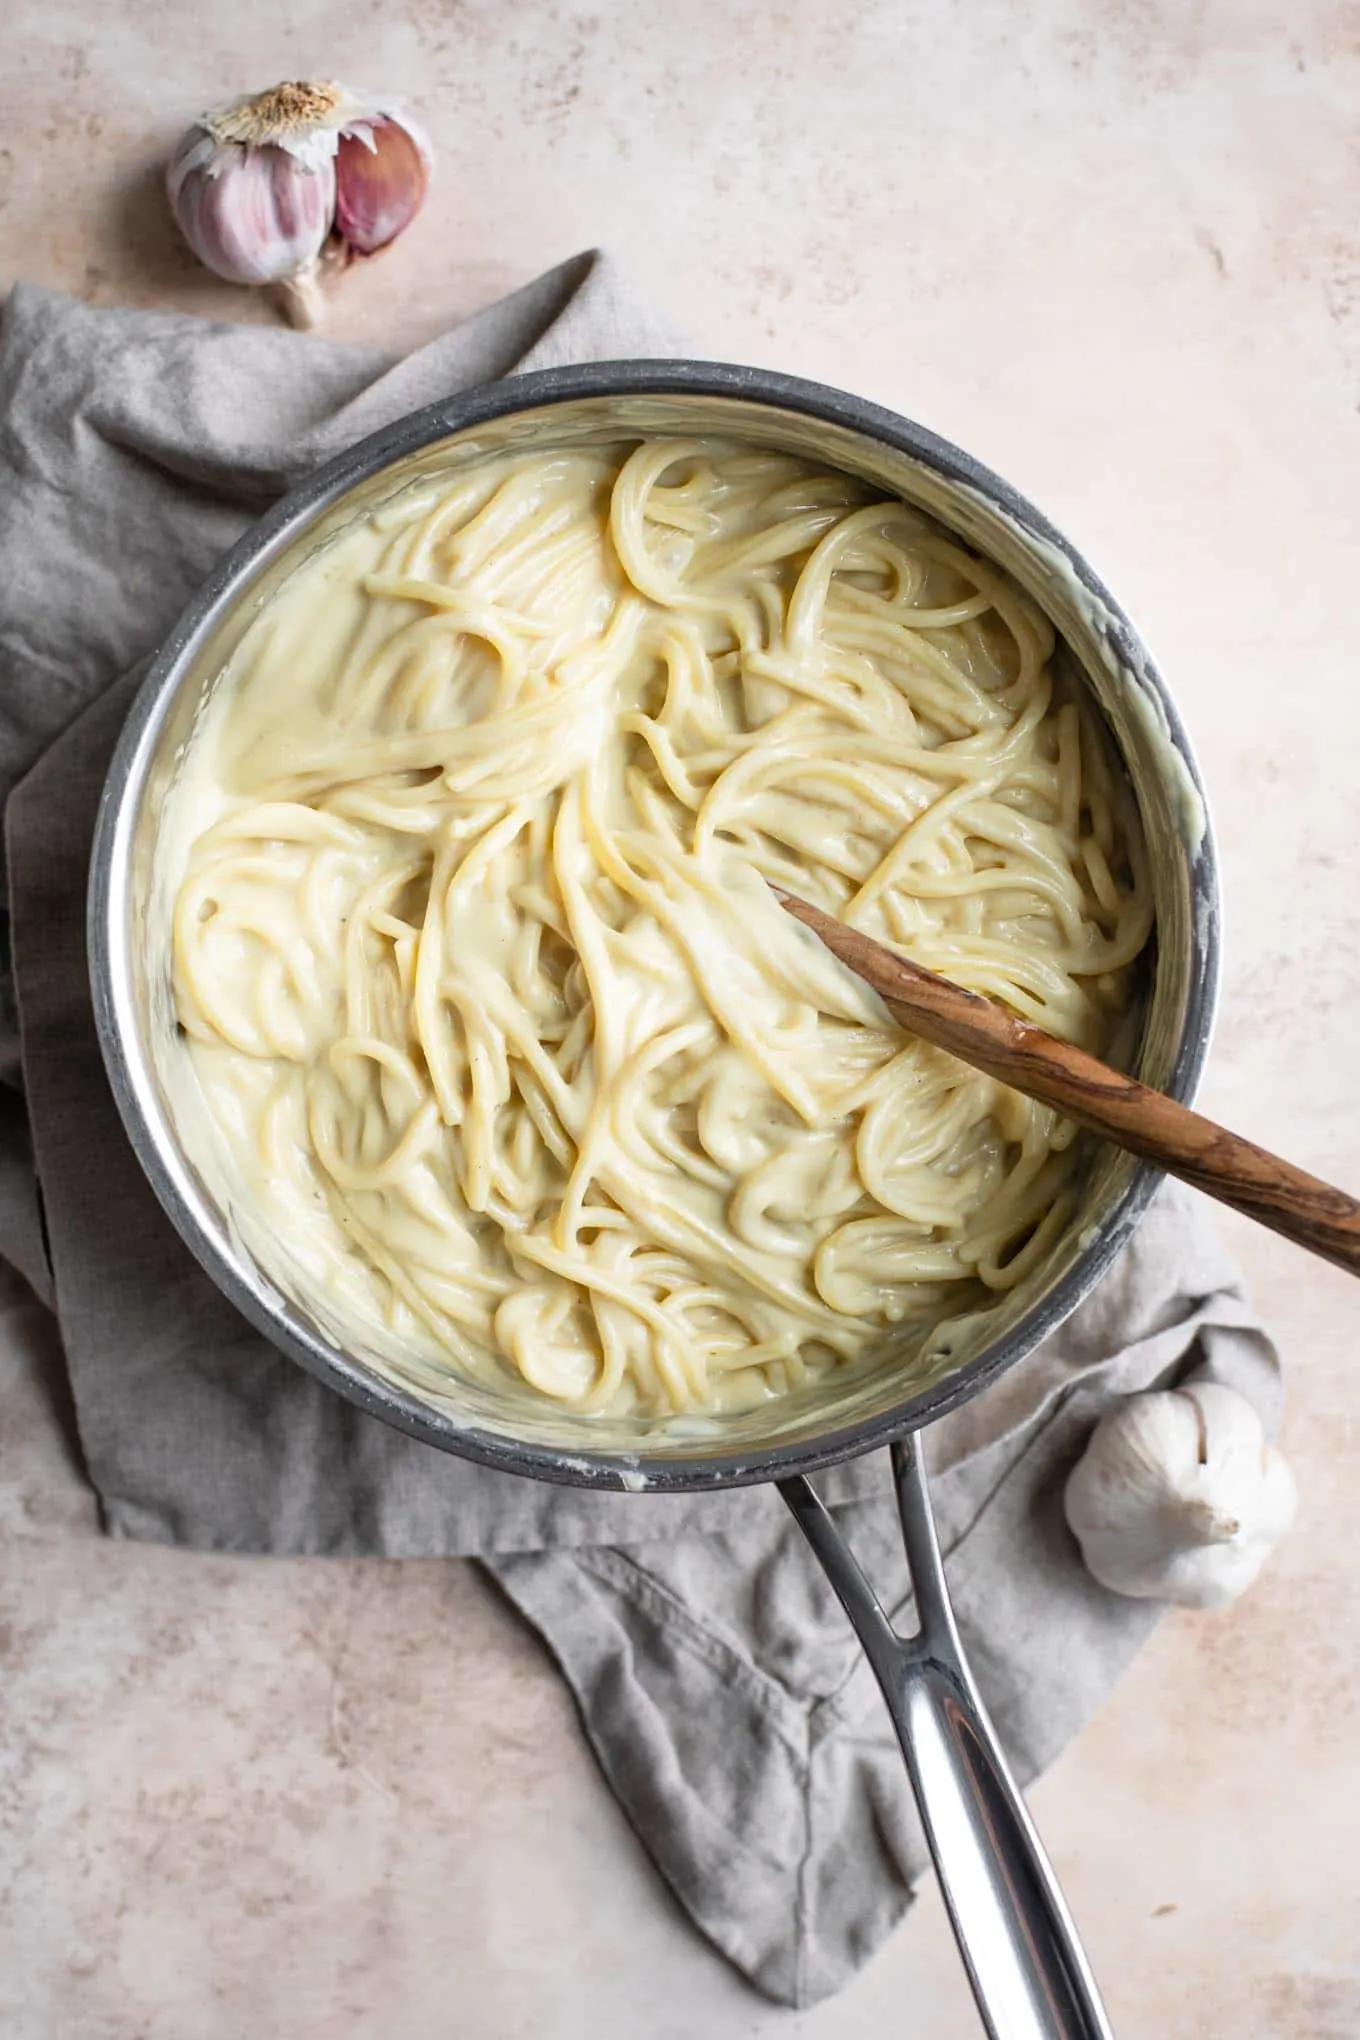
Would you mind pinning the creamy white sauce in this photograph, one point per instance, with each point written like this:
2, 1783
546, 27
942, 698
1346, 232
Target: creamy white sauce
500, 1051
1135, 690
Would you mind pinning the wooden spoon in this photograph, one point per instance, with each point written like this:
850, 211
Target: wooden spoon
989, 1037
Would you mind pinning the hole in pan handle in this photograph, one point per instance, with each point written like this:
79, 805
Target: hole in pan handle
1029, 1973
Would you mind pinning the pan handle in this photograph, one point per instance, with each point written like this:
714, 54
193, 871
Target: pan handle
1029, 1974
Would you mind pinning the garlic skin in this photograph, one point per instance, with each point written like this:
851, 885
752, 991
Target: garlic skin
382, 173
283, 186
1179, 1497
261, 222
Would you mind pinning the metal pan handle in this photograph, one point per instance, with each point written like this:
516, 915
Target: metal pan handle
1029, 1974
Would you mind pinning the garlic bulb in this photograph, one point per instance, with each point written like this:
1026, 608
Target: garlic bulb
274, 188
1178, 1497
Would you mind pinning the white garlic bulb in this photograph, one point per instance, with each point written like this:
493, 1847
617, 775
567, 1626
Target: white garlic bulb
1179, 1497
275, 187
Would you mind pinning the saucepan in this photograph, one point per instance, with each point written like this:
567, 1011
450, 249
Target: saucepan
1027, 1969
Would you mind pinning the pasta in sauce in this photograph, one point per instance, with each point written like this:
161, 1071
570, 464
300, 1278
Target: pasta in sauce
513, 1051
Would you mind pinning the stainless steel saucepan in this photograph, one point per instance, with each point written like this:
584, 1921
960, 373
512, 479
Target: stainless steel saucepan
1028, 1972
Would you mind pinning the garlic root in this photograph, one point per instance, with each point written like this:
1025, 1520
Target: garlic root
300, 300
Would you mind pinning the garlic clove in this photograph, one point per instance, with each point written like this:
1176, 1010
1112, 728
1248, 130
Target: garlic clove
261, 217
1178, 1497
382, 173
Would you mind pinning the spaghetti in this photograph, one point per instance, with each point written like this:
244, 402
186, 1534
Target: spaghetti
512, 1049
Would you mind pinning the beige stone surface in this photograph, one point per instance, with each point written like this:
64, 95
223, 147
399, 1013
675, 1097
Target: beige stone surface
1113, 247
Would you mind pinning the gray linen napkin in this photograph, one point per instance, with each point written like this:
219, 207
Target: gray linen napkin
717, 1681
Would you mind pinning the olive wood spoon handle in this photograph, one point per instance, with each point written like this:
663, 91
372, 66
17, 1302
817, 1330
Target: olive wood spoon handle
988, 1036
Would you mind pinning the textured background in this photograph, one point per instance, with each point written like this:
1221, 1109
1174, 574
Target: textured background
1114, 249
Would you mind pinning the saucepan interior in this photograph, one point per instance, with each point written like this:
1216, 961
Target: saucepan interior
567, 408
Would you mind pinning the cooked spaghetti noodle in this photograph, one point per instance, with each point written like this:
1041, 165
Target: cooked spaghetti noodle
514, 1052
